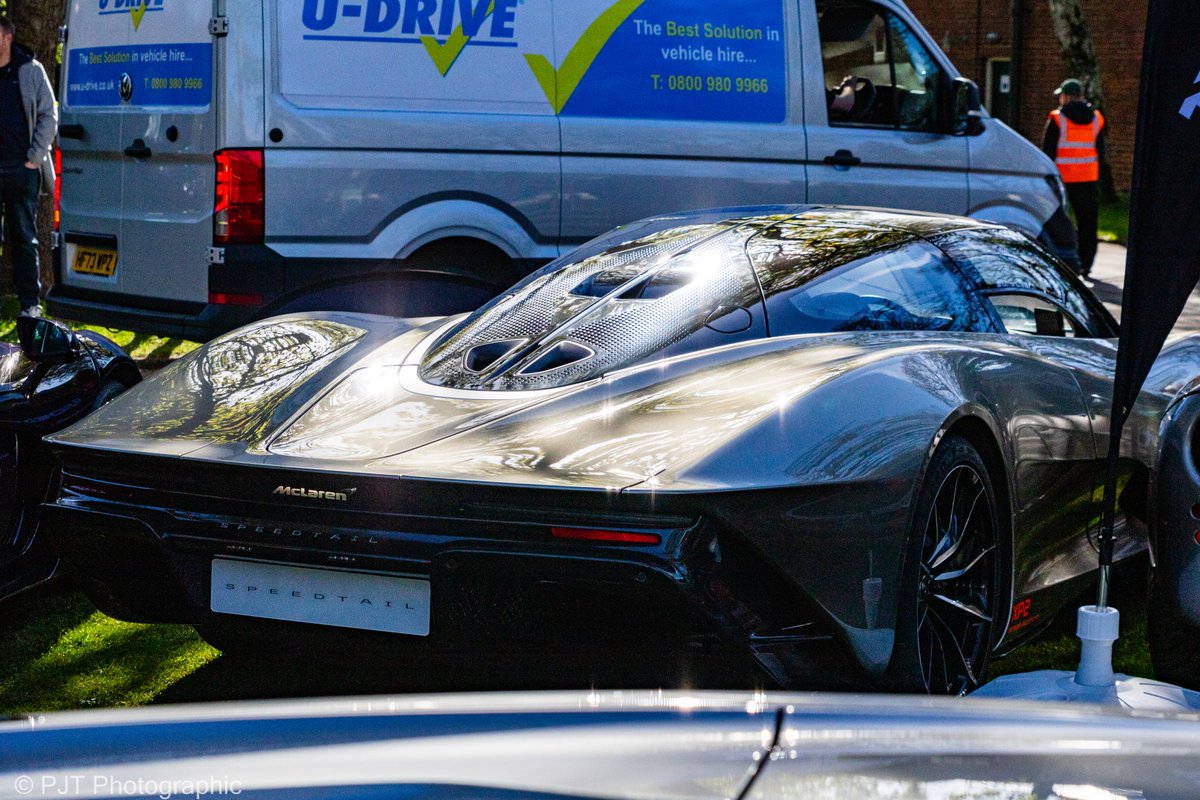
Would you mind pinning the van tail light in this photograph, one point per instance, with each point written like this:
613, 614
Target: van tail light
239, 210
57, 187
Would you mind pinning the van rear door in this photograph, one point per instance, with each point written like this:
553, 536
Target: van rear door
138, 132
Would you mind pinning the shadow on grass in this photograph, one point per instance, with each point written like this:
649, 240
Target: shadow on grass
159, 351
32, 622
61, 653
380, 670
160, 356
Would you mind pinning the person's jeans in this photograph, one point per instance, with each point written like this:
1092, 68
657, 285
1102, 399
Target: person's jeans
19, 193
1084, 200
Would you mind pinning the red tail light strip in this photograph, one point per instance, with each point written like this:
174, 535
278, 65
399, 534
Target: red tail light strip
621, 537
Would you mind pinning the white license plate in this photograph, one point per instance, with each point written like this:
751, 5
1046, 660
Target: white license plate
321, 596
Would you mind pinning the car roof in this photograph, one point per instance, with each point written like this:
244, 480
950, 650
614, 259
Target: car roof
574, 320
918, 223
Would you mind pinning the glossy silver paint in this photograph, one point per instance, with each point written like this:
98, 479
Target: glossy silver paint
609, 744
811, 447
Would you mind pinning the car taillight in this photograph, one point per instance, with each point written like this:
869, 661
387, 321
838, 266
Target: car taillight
227, 299
239, 210
618, 537
57, 187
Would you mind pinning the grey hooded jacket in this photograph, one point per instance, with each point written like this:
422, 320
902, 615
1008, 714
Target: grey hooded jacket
41, 112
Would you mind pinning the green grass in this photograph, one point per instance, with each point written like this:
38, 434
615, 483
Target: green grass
1114, 220
1060, 650
60, 653
149, 351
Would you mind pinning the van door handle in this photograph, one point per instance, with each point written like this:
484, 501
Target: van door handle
843, 158
71, 131
138, 149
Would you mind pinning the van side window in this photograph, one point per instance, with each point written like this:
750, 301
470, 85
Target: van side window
877, 72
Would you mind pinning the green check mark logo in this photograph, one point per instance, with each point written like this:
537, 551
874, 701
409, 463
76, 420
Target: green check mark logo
444, 55
560, 84
137, 12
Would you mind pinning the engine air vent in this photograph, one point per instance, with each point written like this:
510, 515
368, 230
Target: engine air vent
482, 356
560, 355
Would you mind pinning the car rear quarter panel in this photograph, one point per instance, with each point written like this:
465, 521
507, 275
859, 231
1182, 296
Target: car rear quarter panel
824, 478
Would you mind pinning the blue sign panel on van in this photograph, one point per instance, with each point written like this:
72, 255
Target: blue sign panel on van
675, 59
163, 75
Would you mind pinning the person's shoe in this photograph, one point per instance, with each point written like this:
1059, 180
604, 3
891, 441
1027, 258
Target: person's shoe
32, 311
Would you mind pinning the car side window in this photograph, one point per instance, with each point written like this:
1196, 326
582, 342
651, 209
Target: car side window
1032, 316
1003, 260
906, 288
877, 71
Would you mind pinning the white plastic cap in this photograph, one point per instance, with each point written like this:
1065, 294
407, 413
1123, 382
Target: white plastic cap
1097, 629
1098, 624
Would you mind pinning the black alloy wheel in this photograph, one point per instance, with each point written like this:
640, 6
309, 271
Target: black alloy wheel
949, 603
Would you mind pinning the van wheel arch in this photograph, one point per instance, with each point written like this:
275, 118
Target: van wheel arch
466, 256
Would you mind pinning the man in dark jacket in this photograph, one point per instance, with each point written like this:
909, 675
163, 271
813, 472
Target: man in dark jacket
1074, 138
28, 122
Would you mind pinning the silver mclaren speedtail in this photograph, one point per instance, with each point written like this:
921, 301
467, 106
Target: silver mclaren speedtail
815, 436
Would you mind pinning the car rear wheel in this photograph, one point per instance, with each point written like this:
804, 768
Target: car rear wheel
947, 615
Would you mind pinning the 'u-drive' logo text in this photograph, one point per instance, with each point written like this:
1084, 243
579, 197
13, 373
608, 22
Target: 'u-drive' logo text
440, 18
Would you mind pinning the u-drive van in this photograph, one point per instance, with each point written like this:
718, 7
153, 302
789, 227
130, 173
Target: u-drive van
224, 160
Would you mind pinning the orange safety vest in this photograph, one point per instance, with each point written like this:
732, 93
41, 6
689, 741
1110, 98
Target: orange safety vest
1078, 159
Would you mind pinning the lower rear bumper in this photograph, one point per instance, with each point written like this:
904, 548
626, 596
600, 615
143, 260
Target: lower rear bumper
196, 322
135, 568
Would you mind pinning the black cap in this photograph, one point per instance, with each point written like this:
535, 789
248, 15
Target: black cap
1071, 87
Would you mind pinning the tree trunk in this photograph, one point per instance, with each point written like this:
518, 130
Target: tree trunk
37, 24
1079, 55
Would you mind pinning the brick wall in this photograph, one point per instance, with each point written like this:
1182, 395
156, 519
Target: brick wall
962, 27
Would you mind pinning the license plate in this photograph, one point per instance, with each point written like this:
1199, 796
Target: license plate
94, 261
358, 600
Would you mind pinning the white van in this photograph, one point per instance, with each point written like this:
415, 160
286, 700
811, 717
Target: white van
225, 160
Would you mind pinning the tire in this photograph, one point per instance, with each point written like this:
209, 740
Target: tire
949, 600
1174, 640
109, 390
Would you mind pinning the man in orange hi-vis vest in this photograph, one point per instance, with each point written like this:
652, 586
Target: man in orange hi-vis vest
1074, 138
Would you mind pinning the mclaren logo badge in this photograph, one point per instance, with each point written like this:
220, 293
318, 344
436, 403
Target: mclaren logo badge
314, 494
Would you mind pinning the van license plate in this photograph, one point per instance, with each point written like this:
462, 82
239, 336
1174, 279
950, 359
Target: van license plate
92, 261
360, 600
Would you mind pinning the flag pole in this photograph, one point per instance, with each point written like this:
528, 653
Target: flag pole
1109, 513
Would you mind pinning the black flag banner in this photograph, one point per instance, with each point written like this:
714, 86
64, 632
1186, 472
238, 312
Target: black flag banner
1163, 264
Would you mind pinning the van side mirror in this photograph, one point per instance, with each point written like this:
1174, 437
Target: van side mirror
968, 108
45, 341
